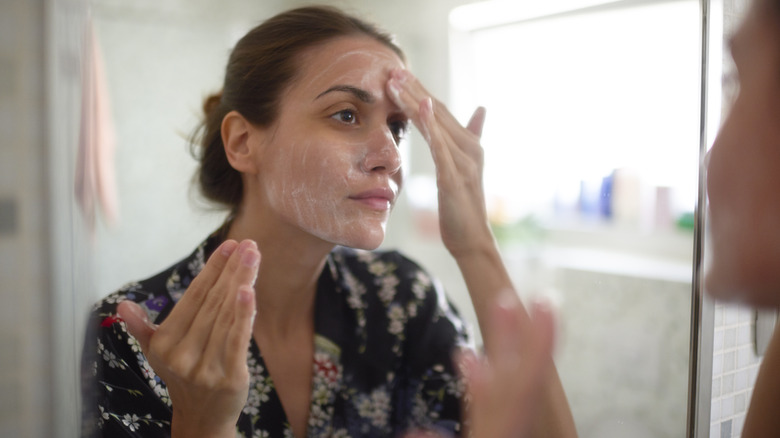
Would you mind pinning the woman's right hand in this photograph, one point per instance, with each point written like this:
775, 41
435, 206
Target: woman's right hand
200, 350
506, 385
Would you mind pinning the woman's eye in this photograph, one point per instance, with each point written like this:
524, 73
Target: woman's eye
398, 129
346, 116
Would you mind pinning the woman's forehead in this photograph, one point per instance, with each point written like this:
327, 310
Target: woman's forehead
360, 61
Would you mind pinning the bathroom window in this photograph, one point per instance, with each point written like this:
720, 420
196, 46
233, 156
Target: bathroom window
593, 111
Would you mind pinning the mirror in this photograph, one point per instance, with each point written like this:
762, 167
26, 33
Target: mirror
592, 189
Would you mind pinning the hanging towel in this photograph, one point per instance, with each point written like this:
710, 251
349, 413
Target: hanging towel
95, 181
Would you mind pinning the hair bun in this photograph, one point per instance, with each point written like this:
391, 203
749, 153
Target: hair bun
211, 103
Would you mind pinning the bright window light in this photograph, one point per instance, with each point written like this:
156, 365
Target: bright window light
599, 98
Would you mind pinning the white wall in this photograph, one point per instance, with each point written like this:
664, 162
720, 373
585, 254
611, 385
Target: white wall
161, 60
24, 284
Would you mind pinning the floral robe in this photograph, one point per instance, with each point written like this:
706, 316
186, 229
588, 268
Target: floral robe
384, 338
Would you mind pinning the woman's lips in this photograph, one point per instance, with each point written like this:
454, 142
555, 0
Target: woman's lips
377, 199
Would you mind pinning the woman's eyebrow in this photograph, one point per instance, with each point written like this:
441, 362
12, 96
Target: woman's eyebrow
361, 94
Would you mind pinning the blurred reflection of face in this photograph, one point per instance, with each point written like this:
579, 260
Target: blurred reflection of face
743, 177
331, 166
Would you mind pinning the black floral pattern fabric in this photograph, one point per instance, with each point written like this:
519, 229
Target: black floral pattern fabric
384, 338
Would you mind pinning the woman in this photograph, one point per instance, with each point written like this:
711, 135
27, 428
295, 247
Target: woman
302, 147
743, 180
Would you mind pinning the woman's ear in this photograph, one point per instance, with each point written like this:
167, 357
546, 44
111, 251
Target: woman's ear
241, 141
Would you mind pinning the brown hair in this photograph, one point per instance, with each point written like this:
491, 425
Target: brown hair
262, 64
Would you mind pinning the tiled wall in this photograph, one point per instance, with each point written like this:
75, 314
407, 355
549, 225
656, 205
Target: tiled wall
734, 368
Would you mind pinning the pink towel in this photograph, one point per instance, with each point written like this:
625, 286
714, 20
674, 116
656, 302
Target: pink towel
95, 182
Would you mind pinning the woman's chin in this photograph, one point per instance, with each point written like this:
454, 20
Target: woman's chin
368, 244
369, 239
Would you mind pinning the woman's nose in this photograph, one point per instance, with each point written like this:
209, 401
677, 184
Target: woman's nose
382, 154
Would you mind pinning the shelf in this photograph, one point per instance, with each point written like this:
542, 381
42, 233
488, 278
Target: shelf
662, 255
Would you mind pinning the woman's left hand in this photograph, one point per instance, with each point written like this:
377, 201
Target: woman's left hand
458, 157
507, 384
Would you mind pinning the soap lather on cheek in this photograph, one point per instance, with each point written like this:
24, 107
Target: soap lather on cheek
312, 191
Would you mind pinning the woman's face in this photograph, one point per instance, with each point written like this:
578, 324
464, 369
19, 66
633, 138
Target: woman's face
330, 164
743, 177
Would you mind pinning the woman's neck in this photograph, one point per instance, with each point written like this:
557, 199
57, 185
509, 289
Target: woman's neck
290, 266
